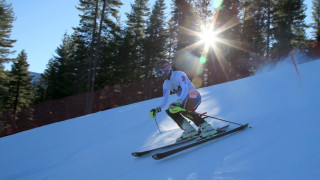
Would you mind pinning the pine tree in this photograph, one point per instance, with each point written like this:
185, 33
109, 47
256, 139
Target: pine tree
136, 26
184, 23
66, 72
254, 31
288, 25
3, 88
203, 10
316, 19
229, 29
20, 94
184, 18
110, 65
20, 89
50, 80
60, 75
6, 20
123, 66
6, 43
96, 14
228, 24
79, 65
269, 12
3, 95
180, 8
172, 40
156, 37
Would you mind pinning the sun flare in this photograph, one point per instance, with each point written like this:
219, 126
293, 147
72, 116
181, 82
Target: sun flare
212, 40
208, 37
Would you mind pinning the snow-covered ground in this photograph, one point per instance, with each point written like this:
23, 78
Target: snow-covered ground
284, 142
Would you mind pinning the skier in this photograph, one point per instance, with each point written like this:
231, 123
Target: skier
188, 101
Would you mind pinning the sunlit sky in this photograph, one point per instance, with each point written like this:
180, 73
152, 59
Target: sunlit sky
40, 25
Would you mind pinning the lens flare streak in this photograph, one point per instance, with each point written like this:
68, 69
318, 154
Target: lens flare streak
212, 40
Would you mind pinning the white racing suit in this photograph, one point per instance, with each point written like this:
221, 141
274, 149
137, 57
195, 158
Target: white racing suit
188, 96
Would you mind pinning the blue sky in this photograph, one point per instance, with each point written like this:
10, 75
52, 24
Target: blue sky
41, 24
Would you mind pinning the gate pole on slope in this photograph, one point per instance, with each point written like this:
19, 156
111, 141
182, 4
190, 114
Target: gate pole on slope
295, 65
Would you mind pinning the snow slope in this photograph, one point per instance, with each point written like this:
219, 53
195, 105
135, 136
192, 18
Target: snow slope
283, 143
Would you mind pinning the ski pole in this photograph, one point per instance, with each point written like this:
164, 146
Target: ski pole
223, 120
157, 124
206, 116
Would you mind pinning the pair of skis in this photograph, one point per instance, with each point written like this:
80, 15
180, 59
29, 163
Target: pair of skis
221, 132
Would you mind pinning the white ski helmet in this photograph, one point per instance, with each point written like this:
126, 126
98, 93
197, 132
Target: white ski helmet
163, 67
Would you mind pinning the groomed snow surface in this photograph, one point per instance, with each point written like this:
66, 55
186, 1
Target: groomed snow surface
284, 142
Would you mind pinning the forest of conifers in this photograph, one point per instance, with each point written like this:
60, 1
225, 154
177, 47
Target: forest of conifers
110, 61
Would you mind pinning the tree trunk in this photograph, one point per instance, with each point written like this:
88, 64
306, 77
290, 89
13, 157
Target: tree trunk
91, 59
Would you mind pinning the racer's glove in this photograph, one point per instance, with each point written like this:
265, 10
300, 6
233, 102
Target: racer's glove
154, 111
176, 107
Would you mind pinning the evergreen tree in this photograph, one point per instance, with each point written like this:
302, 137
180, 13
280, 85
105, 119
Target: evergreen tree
228, 25
180, 8
3, 88
136, 26
172, 40
288, 25
3, 95
66, 71
254, 31
96, 14
65, 74
6, 20
89, 32
109, 71
60, 74
316, 19
184, 23
202, 7
229, 29
79, 58
269, 12
20, 94
50, 80
183, 18
20, 90
256, 35
123, 66
6, 43
156, 37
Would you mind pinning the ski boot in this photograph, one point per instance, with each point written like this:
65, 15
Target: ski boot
189, 131
206, 130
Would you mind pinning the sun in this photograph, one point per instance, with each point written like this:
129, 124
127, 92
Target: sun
211, 39
208, 36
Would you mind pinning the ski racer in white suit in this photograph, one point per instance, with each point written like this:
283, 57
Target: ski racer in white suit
189, 99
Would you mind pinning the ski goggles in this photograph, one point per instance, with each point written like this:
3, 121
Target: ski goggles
161, 72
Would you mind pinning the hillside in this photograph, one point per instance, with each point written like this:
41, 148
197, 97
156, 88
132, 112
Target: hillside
283, 143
